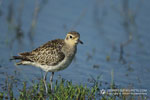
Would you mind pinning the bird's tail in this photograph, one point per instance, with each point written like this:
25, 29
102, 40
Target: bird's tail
24, 58
16, 58
21, 58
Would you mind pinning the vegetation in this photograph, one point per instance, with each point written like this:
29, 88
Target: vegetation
62, 90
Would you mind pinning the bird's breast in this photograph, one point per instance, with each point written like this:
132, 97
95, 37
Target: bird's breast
69, 55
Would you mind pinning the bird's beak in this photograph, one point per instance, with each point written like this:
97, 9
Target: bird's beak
80, 41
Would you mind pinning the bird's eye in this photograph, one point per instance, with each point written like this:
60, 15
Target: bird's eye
70, 37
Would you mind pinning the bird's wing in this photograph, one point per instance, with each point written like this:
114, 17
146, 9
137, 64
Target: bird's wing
47, 54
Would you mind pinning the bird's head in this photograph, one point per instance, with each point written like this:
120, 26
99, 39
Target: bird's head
73, 38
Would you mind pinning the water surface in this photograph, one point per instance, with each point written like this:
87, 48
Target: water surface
103, 25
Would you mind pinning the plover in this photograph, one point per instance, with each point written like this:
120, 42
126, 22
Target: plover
53, 56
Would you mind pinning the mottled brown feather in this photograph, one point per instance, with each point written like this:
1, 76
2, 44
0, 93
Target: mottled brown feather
48, 54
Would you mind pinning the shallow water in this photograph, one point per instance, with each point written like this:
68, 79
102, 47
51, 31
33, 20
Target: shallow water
103, 26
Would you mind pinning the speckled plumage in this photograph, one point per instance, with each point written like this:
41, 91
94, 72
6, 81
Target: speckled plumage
48, 54
53, 56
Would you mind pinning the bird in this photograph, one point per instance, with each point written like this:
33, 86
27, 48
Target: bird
53, 56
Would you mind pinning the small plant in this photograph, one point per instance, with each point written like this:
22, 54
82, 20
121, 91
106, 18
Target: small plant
62, 90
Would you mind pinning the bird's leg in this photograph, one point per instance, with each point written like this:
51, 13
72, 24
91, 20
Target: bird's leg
45, 82
51, 80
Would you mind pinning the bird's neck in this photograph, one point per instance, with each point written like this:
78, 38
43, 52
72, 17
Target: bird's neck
70, 49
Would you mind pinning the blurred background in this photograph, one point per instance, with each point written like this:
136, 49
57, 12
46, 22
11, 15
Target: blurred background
115, 35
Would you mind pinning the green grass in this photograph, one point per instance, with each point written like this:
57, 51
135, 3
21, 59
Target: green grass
62, 90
